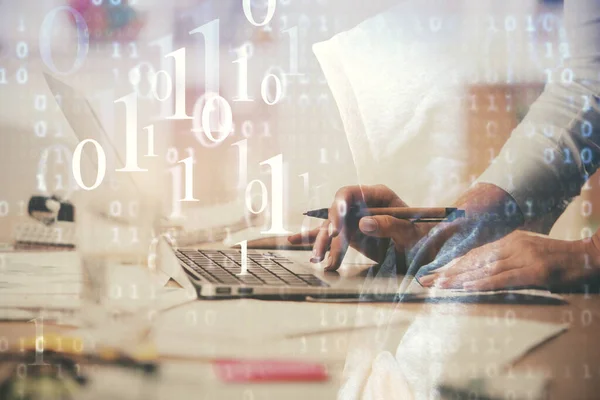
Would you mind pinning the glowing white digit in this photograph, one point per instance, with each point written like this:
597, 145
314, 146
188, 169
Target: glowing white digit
135, 78
168, 85
179, 57
264, 89
277, 75
244, 248
172, 155
263, 197
247, 129
22, 50
247, 7
210, 32
304, 177
293, 50
39, 341
197, 129
101, 165
116, 50
59, 182
40, 102
3, 208
242, 146
165, 44
266, 130
83, 39
276, 164
176, 192
150, 129
58, 234
115, 208
224, 118
176, 172
189, 179
243, 53
134, 51
22, 76
131, 156
40, 129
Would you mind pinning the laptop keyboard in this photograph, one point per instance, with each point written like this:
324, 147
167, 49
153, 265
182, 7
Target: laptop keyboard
224, 266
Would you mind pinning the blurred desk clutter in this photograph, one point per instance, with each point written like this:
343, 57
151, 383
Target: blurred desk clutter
272, 341
176, 283
52, 225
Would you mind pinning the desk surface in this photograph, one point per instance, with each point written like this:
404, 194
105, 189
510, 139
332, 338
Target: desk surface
571, 360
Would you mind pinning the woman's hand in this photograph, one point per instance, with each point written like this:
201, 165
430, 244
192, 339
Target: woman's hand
369, 235
520, 259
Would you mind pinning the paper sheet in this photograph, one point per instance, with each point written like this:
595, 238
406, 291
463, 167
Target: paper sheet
247, 327
437, 350
456, 353
39, 273
416, 293
248, 319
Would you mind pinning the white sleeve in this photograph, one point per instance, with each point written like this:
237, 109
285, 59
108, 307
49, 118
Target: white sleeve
556, 147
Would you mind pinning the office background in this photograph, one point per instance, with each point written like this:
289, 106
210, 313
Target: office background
501, 54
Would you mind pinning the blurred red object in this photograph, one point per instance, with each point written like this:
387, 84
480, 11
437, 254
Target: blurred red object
109, 22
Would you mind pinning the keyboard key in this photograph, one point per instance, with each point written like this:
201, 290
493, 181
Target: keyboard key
263, 268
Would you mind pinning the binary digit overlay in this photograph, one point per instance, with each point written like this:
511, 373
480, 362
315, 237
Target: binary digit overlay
298, 159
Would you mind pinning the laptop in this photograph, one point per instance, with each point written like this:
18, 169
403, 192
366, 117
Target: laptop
216, 273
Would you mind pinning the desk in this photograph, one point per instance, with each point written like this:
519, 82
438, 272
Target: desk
572, 360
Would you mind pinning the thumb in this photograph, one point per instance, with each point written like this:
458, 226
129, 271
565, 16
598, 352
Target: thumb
402, 232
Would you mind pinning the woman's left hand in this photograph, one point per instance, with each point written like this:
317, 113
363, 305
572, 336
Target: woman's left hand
519, 259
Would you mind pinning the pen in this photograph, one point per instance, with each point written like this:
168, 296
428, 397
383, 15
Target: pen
418, 214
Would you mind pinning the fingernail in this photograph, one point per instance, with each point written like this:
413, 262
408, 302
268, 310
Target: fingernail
330, 230
426, 280
440, 282
329, 263
368, 224
314, 258
289, 239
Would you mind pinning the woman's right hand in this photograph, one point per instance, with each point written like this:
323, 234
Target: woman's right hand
370, 234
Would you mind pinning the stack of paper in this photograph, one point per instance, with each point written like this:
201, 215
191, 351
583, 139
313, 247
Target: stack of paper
49, 284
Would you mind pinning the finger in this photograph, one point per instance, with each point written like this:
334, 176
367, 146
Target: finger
488, 270
507, 279
480, 262
475, 259
362, 196
372, 247
322, 242
345, 198
304, 237
428, 280
402, 232
462, 243
339, 247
